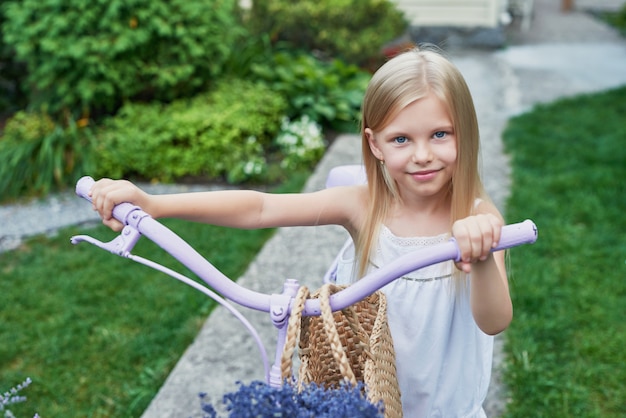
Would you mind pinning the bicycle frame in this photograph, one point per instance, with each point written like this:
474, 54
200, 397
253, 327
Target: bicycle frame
138, 223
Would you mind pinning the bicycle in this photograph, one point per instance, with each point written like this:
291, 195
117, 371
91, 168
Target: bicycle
138, 223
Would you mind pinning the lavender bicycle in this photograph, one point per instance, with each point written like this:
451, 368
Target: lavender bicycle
138, 223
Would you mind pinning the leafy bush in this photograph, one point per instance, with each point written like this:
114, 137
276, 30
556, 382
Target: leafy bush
260, 400
353, 30
37, 155
250, 51
12, 74
84, 55
329, 93
225, 133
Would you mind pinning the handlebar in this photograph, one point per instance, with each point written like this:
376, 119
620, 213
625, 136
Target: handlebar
512, 235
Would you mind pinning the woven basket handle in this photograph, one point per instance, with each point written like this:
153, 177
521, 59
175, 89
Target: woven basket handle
293, 333
339, 354
294, 329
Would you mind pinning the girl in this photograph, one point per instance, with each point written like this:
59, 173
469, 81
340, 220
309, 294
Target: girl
420, 149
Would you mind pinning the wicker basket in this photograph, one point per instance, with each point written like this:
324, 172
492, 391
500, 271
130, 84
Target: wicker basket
354, 344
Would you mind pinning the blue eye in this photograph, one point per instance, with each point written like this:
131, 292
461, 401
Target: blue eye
440, 135
400, 139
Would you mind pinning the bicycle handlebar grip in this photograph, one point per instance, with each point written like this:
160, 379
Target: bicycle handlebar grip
83, 185
516, 234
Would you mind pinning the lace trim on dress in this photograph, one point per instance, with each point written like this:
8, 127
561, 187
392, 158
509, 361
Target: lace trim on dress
419, 279
413, 241
401, 245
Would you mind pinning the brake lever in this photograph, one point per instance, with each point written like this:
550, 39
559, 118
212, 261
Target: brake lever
120, 245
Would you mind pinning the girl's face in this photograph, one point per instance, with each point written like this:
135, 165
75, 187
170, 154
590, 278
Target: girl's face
418, 147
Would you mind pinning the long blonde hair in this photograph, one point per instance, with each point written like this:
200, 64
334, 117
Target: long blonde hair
404, 79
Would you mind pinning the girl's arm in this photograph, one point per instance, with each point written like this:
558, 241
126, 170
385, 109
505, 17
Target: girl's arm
489, 290
233, 208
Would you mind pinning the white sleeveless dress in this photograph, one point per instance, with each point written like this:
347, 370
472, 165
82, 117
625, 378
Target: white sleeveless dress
443, 359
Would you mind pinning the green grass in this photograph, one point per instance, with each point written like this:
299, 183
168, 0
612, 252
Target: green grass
566, 345
98, 334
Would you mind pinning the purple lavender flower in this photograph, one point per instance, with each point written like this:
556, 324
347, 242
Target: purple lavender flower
12, 396
260, 400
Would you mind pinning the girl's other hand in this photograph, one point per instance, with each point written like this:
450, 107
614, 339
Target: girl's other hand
107, 193
476, 236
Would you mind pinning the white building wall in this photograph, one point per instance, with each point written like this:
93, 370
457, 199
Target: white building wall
458, 13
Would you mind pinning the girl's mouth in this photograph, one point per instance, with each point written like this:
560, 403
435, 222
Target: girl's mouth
424, 175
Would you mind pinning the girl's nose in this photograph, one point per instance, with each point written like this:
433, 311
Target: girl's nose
423, 153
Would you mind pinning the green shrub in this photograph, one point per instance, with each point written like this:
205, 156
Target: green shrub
251, 51
329, 93
225, 133
84, 55
353, 30
37, 155
12, 74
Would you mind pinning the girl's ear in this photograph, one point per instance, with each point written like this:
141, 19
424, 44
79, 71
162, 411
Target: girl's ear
373, 144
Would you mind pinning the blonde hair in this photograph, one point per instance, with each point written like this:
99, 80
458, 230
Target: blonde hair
401, 81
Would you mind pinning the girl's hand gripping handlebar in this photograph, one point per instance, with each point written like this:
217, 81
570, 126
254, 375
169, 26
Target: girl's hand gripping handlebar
121, 212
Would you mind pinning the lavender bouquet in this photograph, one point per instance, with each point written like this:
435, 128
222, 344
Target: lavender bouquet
260, 400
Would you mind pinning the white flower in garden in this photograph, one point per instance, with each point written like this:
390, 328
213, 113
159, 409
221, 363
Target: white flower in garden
253, 168
301, 141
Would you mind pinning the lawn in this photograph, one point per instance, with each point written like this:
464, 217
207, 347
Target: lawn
566, 344
98, 334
